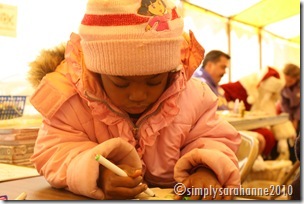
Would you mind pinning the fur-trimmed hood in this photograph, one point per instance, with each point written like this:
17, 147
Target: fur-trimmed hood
46, 62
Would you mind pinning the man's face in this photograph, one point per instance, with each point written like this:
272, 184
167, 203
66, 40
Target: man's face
217, 69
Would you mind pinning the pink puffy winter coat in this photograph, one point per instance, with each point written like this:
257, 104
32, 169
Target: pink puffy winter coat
180, 132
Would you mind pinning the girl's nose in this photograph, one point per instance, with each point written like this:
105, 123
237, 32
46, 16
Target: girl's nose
138, 94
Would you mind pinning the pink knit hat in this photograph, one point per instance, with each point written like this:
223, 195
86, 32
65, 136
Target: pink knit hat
131, 37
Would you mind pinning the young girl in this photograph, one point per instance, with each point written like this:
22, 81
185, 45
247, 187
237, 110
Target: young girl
127, 94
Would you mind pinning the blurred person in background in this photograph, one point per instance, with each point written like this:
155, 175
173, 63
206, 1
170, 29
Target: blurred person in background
290, 94
211, 72
290, 100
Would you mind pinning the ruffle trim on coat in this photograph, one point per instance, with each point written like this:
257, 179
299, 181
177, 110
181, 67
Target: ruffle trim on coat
160, 116
149, 131
104, 113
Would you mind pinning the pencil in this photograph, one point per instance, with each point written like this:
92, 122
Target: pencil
22, 196
106, 163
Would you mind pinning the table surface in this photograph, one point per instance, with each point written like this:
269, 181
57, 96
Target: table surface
251, 121
37, 188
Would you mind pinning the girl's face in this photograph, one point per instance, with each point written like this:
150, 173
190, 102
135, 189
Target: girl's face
289, 80
157, 8
134, 94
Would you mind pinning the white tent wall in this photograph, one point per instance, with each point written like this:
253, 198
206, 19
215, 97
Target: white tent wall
277, 52
251, 49
40, 25
209, 29
244, 50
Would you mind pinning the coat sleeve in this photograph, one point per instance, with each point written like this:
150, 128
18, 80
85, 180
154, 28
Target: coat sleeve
65, 154
212, 142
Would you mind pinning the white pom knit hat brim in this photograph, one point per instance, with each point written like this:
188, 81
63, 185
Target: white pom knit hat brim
117, 40
129, 58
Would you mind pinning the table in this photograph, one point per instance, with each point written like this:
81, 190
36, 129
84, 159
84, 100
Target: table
249, 122
37, 188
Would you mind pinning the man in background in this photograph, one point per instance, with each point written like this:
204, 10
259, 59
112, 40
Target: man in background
211, 72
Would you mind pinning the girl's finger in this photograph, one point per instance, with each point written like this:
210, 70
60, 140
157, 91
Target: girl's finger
126, 193
126, 182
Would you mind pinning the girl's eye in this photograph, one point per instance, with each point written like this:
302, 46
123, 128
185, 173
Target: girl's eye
121, 86
153, 84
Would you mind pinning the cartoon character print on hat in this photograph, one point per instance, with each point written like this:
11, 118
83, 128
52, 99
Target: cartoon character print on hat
159, 12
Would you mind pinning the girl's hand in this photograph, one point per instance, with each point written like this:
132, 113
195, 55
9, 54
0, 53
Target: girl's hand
117, 187
203, 178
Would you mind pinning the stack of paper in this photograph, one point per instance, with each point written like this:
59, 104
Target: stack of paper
17, 145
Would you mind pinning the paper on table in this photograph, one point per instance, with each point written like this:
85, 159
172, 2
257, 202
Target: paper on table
160, 194
12, 172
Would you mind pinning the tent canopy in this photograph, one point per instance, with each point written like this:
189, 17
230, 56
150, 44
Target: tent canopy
279, 17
